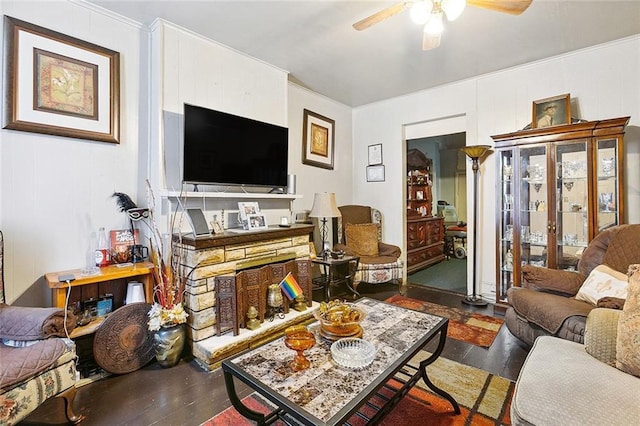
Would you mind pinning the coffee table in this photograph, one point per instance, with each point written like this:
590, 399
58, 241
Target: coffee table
327, 394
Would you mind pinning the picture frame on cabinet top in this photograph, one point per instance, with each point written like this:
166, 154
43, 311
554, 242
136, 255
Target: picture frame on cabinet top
553, 111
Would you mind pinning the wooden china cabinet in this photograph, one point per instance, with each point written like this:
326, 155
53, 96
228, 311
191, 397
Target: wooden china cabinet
425, 233
558, 187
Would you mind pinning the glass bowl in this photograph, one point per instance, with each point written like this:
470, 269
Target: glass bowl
353, 353
340, 319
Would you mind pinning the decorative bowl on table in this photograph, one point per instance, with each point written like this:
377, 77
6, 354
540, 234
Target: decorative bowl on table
339, 320
353, 353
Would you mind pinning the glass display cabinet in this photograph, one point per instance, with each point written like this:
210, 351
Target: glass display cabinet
558, 187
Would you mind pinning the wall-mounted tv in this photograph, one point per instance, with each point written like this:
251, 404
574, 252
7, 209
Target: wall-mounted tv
226, 149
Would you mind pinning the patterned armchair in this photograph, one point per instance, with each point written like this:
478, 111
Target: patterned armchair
360, 234
34, 364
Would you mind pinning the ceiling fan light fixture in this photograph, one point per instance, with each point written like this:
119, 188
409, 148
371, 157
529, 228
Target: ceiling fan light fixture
421, 11
434, 25
453, 8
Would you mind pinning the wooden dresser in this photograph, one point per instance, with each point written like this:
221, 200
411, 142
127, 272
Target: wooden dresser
425, 242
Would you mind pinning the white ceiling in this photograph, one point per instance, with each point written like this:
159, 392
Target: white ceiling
315, 42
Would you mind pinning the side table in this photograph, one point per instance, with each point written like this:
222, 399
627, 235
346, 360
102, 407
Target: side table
336, 271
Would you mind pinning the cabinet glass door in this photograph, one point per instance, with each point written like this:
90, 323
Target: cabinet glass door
572, 219
506, 200
533, 206
607, 184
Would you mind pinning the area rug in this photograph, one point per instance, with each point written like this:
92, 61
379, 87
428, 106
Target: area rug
484, 399
469, 327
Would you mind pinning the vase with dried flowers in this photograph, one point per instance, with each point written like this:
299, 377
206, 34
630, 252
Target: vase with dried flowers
167, 316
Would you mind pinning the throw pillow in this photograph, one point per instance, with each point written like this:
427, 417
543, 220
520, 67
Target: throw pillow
602, 282
628, 344
362, 238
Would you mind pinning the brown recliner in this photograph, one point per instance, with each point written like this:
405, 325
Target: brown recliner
546, 304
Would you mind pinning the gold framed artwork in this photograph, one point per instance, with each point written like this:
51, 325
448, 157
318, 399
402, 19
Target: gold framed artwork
553, 111
59, 85
317, 140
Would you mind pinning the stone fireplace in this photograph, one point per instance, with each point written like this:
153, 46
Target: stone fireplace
229, 272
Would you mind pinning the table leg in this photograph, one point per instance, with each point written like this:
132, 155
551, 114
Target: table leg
349, 278
327, 273
260, 418
430, 360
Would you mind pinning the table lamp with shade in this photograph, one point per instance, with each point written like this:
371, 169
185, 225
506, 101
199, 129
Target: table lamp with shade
475, 153
324, 206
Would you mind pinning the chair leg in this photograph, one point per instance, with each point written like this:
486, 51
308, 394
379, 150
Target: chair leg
68, 397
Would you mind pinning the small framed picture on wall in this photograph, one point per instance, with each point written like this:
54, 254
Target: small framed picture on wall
375, 173
375, 154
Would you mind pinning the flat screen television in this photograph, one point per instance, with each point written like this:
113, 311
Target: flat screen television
226, 149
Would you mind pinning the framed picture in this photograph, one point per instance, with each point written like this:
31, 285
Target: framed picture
553, 111
318, 140
257, 221
375, 154
244, 210
216, 226
375, 173
59, 85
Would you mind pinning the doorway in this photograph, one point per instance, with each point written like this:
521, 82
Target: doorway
450, 202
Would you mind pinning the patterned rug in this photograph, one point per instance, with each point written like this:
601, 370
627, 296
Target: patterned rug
477, 329
484, 399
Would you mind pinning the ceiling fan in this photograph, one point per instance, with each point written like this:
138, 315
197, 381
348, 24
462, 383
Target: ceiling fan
430, 14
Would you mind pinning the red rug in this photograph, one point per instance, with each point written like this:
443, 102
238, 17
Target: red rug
484, 399
477, 329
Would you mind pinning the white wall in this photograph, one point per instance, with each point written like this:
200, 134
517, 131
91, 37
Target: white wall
313, 179
56, 191
190, 68
499, 103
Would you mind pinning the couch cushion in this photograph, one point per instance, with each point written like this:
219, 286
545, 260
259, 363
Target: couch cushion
560, 384
362, 238
601, 333
18, 364
603, 281
548, 311
628, 344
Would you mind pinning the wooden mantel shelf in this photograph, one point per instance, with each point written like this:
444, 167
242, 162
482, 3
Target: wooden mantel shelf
242, 237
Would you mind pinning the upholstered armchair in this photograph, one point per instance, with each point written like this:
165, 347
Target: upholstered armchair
554, 302
360, 234
35, 362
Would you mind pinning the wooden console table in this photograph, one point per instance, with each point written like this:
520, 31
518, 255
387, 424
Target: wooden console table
111, 279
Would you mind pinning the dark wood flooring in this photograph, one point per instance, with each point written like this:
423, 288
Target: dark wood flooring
188, 395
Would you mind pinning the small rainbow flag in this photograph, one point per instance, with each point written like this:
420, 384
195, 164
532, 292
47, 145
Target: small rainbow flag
290, 287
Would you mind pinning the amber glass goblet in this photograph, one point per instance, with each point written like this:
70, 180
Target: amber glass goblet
299, 339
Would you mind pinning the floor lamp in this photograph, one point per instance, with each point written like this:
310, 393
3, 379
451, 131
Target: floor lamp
324, 206
475, 152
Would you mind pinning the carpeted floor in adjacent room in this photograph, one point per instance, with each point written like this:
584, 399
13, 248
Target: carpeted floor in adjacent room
449, 275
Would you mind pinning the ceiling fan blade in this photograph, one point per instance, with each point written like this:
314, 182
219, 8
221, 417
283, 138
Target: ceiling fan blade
381, 16
514, 7
430, 41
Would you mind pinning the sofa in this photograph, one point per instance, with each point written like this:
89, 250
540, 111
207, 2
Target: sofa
36, 363
548, 303
596, 383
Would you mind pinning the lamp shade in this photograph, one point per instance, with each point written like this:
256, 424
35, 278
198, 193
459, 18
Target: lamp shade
475, 151
324, 205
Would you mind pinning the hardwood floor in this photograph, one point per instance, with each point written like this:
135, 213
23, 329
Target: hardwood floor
187, 395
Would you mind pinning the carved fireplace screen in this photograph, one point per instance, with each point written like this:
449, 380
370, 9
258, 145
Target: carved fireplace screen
235, 294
